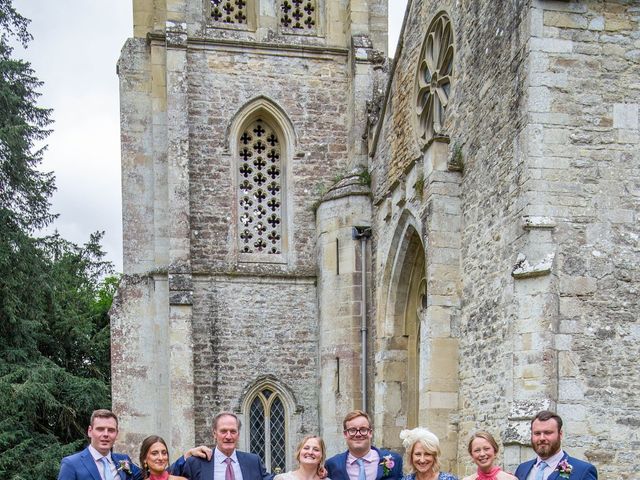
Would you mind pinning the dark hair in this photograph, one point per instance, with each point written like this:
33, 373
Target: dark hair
103, 413
485, 435
545, 415
355, 414
147, 443
214, 423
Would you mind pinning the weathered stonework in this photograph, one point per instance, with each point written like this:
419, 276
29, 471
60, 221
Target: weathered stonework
501, 272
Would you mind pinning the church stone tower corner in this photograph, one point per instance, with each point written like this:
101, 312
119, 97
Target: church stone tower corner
235, 115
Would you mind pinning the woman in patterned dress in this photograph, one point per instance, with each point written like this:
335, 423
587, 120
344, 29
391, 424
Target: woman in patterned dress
423, 455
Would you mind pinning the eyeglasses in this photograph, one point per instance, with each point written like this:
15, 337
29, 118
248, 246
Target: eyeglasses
358, 431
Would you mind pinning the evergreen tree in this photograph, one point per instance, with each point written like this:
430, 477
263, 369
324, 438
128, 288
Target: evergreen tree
54, 327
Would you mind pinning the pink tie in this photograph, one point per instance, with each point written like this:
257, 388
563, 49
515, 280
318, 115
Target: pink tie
228, 475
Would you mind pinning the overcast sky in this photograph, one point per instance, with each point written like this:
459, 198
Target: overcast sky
74, 52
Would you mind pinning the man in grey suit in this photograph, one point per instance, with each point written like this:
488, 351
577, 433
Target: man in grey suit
226, 463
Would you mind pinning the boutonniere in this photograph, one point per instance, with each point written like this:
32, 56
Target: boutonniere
123, 466
564, 468
387, 464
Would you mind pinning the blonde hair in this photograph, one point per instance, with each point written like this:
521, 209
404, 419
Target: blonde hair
486, 436
323, 450
427, 439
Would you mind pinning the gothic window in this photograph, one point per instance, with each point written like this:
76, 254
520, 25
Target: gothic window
298, 14
229, 11
433, 79
267, 429
260, 189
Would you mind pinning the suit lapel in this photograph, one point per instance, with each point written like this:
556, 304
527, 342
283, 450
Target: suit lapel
554, 475
380, 471
90, 464
243, 466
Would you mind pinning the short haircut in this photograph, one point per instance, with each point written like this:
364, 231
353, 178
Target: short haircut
355, 414
545, 415
485, 435
214, 423
103, 413
323, 449
427, 439
147, 443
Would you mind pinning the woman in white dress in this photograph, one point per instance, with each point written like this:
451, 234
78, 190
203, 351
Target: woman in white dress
310, 455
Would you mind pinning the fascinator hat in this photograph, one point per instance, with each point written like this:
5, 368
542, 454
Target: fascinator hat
409, 437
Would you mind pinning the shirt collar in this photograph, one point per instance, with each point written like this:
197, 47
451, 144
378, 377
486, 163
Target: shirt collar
97, 455
369, 457
552, 461
220, 457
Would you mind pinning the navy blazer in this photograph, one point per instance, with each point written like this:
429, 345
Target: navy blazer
82, 466
196, 468
581, 470
337, 466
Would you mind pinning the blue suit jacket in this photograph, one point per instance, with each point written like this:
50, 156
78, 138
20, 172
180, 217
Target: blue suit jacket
82, 466
581, 470
196, 468
337, 466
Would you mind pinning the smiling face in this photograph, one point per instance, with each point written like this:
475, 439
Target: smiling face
358, 435
226, 434
422, 460
311, 452
546, 438
157, 458
103, 433
483, 453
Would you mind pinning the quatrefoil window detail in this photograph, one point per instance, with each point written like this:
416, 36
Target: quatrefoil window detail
229, 11
298, 14
434, 78
259, 189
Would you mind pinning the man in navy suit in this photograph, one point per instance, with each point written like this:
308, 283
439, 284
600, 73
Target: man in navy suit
552, 463
97, 462
226, 463
362, 461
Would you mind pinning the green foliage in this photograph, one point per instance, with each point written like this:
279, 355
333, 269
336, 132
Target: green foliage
54, 298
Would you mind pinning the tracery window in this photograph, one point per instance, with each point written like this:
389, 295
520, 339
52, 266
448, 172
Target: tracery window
260, 189
229, 11
267, 429
433, 79
298, 14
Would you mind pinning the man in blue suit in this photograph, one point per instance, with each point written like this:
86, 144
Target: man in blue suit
226, 463
362, 461
552, 463
97, 462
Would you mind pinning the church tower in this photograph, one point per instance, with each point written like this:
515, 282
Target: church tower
238, 118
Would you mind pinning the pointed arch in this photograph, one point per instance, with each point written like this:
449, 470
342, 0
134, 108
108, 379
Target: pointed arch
267, 410
261, 140
398, 331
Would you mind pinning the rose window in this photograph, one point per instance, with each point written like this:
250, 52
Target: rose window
433, 82
259, 190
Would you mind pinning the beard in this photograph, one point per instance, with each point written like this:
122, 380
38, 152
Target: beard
546, 449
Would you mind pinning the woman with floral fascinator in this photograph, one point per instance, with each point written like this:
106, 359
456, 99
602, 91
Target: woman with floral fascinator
154, 459
483, 449
423, 455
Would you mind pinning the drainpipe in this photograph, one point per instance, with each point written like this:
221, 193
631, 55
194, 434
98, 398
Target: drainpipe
363, 234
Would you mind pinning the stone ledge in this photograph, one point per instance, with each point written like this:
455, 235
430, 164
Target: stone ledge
523, 269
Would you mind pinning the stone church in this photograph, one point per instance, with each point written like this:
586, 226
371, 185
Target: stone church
448, 238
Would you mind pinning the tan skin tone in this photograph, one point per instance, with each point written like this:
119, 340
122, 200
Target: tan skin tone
422, 462
103, 433
546, 438
157, 460
360, 443
483, 454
